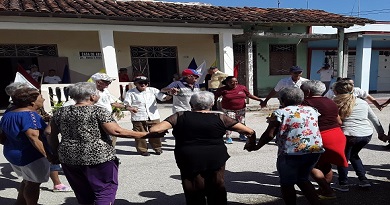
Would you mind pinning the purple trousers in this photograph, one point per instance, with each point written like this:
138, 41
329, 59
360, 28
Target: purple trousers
93, 184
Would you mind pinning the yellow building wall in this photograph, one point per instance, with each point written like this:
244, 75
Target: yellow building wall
200, 47
70, 43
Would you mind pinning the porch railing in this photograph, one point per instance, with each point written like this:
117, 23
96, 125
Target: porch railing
56, 94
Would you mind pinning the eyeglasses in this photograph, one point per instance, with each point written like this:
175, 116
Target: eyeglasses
298, 72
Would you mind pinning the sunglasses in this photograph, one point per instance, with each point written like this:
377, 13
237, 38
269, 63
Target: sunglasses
143, 83
106, 82
298, 72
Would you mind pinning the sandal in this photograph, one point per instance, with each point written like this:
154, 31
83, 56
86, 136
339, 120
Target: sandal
62, 188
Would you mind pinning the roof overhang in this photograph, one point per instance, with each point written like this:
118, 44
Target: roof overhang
299, 36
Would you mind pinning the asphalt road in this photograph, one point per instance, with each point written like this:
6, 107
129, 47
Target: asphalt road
251, 178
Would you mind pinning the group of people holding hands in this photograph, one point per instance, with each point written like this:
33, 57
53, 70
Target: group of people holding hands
312, 133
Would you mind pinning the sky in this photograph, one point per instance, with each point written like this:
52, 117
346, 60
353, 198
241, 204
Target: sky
373, 9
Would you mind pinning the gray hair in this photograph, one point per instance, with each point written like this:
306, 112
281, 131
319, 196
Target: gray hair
202, 100
316, 87
82, 91
11, 88
291, 96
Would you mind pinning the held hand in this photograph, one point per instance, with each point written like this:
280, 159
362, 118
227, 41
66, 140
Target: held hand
251, 142
263, 104
156, 134
383, 137
249, 147
261, 101
383, 106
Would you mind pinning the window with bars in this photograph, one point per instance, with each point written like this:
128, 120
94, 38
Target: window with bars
281, 58
27, 50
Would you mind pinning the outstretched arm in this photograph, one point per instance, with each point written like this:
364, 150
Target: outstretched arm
112, 128
161, 127
373, 101
253, 97
268, 134
385, 104
269, 96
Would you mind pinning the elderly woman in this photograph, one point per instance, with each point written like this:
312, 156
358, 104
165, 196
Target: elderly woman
299, 141
356, 115
58, 186
86, 152
200, 152
333, 137
234, 102
23, 148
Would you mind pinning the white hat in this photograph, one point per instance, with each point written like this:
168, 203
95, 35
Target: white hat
101, 76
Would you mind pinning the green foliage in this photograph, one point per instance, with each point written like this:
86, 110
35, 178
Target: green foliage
56, 106
117, 113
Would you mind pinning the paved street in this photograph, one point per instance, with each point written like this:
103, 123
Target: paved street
251, 178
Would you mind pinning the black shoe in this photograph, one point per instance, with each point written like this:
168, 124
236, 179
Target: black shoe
158, 152
145, 154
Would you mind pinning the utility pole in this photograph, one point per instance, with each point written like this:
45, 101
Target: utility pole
278, 3
358, 8
307, 4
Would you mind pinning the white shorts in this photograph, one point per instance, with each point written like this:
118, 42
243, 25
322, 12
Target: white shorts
37, 171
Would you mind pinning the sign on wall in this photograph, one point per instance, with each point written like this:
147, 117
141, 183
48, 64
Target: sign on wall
90, 55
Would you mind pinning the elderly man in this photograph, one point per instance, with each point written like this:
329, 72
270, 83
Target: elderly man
294, 81
141, 101
106, 100
182, 90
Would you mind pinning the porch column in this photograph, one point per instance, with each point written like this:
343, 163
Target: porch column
249, 64
345, 62
363, 62
106, 38
340, 52
226, 58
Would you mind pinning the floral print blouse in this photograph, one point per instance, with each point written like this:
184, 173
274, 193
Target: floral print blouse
298, 131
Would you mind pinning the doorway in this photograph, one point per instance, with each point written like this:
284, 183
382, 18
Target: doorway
158, 63
161, 71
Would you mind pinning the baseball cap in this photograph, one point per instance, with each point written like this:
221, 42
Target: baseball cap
187, 72
295, 69
139, 79
101, 76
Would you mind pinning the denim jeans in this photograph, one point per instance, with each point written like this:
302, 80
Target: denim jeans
352, 149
